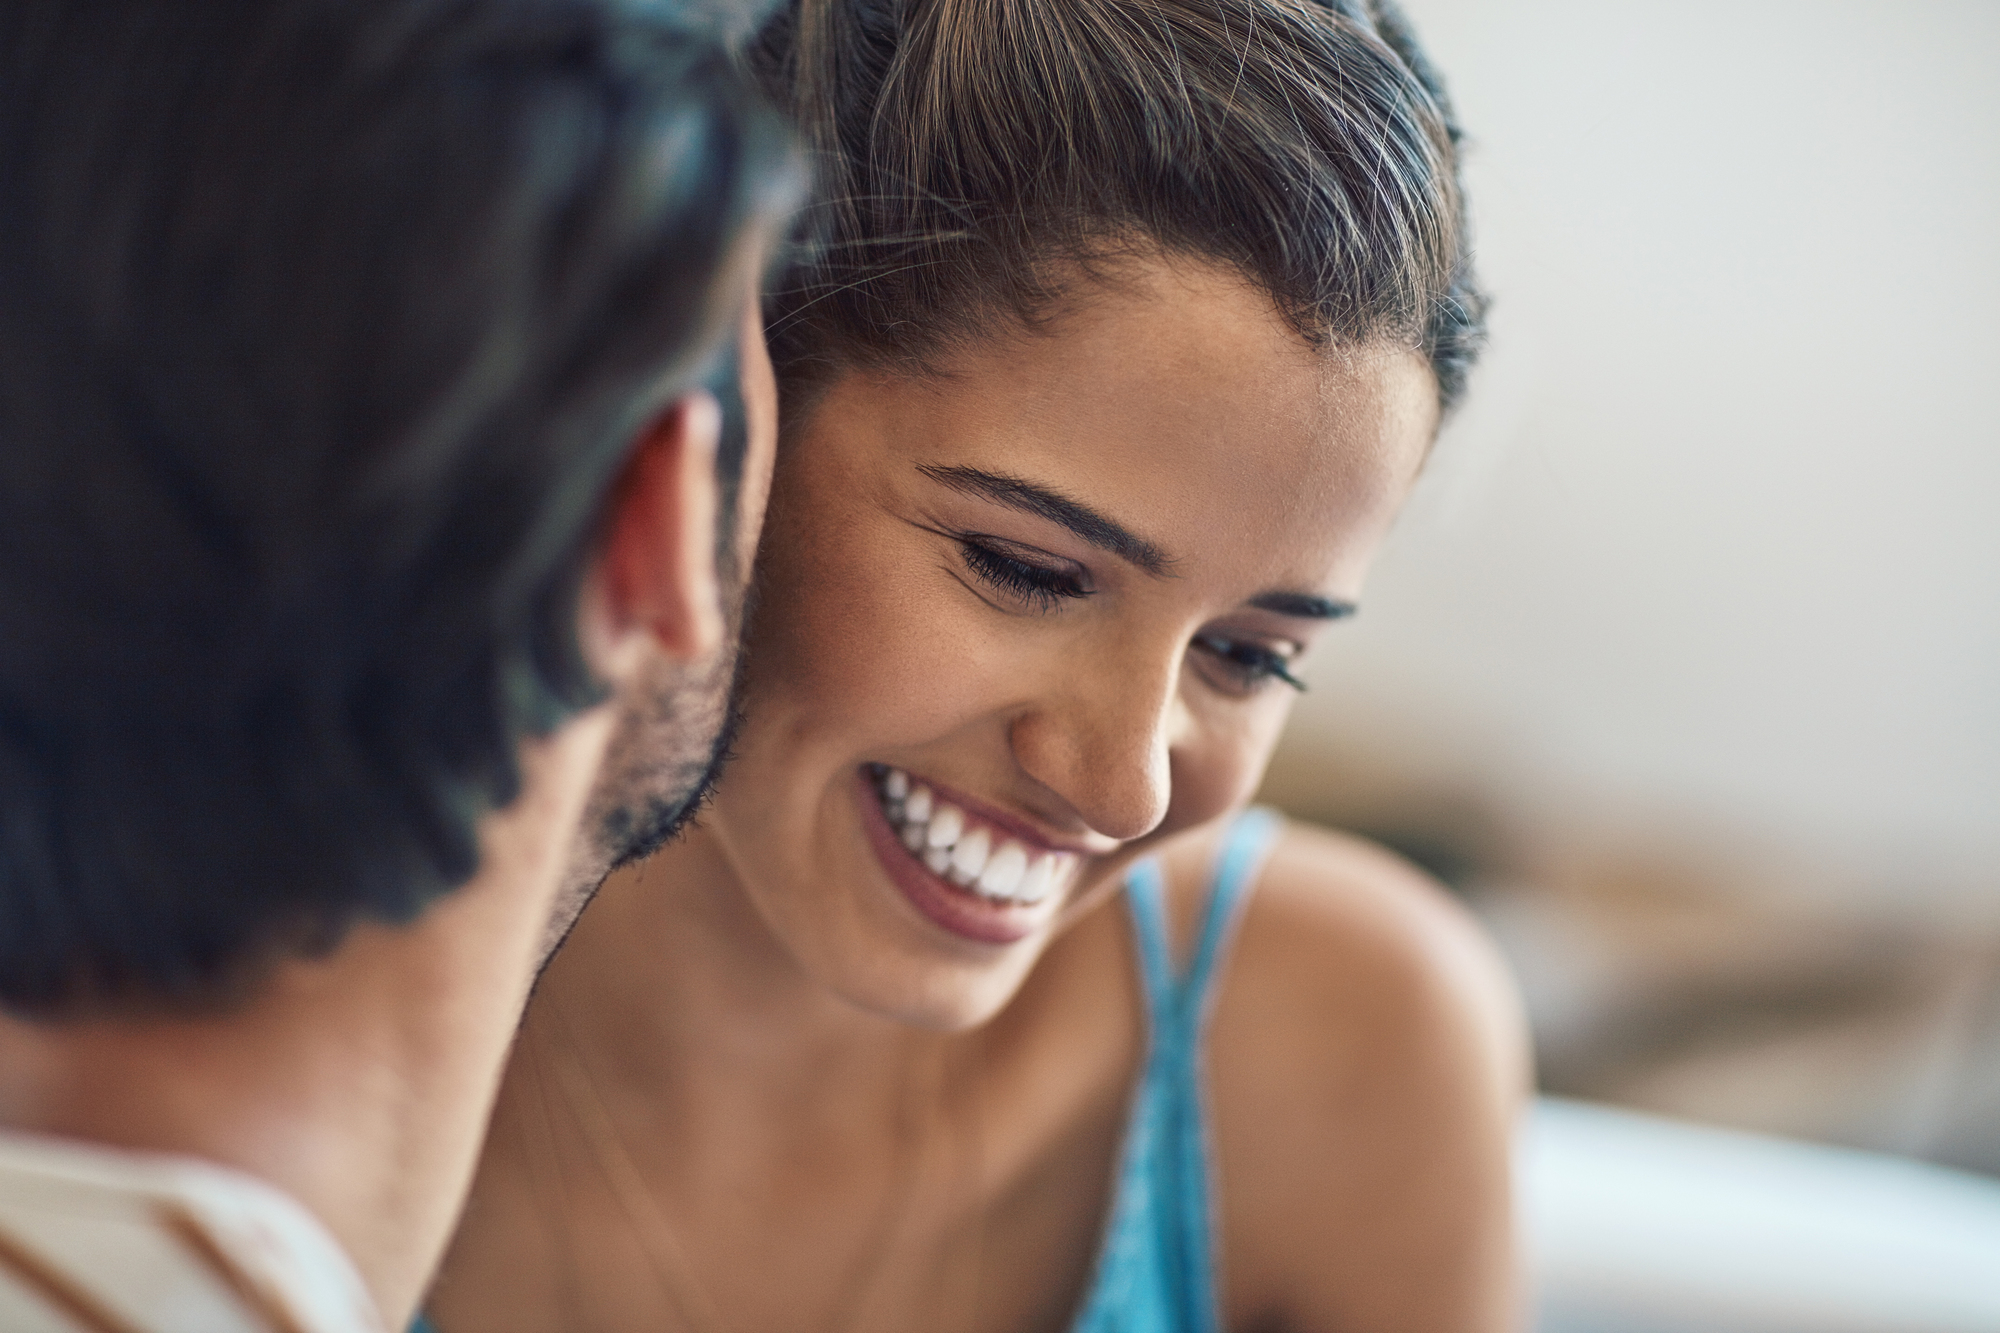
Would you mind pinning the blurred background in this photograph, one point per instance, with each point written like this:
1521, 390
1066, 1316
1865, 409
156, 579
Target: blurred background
1684, 667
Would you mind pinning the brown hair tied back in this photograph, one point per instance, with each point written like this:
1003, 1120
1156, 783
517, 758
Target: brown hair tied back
972, 154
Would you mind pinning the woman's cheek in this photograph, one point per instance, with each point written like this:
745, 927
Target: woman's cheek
886, 658
1219, 769
830, 623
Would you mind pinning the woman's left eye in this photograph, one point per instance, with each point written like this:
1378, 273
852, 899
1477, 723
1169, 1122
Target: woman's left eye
1035, 585
1250, 666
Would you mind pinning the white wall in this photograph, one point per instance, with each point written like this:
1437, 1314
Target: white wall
1720, 530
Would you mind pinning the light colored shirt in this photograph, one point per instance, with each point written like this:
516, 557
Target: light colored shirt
98, 1240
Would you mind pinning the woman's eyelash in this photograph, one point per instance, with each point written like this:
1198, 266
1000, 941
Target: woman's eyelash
1041, 587
1253, 665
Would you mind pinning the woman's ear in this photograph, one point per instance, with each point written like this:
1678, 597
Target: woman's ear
654, 589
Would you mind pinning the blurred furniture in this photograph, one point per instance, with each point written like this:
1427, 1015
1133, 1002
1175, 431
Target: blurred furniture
1638, 1224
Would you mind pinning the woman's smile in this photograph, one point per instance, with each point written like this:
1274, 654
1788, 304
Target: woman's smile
967, 869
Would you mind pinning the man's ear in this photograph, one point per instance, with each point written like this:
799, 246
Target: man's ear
654, 588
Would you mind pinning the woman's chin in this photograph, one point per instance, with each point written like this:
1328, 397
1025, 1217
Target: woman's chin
952, 1008
917, 988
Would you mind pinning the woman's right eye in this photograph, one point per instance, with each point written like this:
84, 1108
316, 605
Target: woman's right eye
1038, 586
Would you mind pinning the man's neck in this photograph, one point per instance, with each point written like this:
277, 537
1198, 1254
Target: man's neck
359, 1083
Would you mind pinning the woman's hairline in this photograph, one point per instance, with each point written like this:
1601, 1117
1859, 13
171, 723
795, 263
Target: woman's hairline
1099, 270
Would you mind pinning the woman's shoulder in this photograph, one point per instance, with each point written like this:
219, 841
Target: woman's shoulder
1337, 925
1337, 920
1366, 1058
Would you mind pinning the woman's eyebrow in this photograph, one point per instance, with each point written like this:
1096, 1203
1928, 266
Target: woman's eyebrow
1029, 497
1303, 605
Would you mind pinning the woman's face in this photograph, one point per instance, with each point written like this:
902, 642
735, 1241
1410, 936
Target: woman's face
1026, 618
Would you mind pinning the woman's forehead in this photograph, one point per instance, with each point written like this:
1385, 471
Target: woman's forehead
1186, 407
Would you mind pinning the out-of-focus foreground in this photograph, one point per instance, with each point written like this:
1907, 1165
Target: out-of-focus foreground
1685, 665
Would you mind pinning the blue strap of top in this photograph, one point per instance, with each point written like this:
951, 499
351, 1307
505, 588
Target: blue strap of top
1156, 1273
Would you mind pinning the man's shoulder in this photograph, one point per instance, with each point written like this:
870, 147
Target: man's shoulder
98, 1238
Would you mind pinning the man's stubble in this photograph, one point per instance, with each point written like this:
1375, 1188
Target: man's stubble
672, 741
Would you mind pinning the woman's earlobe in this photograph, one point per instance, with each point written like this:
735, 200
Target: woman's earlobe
655, 588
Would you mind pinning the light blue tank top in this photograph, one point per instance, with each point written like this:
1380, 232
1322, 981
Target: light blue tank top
1156, 1270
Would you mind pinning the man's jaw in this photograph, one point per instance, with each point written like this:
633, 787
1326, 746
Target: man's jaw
648, 790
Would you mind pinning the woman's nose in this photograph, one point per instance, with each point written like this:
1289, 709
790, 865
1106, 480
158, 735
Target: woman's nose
1102, 744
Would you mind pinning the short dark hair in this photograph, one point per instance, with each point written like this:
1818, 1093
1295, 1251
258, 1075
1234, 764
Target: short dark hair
325, 328
975, 157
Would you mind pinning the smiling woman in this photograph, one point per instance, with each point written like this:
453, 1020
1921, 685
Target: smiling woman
1042, 575
1126, 336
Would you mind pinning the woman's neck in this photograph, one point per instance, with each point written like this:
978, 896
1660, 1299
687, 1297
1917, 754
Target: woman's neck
675, 991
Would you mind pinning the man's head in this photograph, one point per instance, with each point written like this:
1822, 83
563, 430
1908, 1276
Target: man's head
338, 341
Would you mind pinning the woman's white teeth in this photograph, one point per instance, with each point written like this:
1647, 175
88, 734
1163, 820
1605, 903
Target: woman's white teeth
968, 855
1003, 871
937, 831
1039, 878
946, 825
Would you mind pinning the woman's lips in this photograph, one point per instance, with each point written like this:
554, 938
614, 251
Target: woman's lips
959, 871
